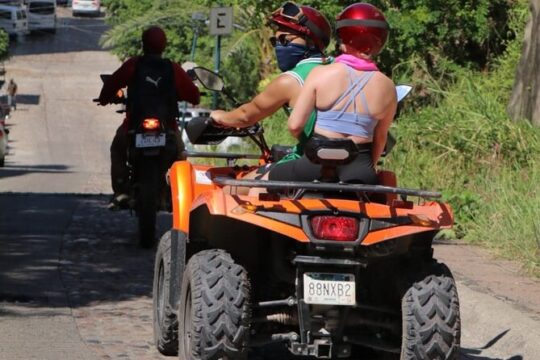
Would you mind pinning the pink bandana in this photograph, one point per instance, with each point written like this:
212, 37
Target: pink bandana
357, 63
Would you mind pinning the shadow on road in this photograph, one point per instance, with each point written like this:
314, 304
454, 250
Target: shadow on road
12, 171
28, 99
476, 353
25, 99
465, 356
69, 250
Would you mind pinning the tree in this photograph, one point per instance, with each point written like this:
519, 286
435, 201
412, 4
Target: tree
525, 100
4, 45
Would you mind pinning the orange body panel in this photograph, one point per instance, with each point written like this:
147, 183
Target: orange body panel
192, 186
387, 178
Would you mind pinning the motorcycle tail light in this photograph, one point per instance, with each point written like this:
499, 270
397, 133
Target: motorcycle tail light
150, 124
337, 228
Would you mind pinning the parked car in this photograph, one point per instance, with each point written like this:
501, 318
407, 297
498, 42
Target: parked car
227, 145
86, 7
13, 20
3, 142
41, 15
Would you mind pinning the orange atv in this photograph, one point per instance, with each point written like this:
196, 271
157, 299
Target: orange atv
319, 269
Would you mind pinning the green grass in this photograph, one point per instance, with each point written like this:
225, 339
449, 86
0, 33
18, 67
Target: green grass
507, 219
486, 165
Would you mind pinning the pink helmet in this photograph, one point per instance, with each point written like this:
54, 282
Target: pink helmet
304, 20
363, 27
154, 40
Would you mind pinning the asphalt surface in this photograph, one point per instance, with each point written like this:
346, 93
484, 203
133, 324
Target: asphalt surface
73, 284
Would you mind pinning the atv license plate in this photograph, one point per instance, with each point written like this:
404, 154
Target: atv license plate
149, 140
329, 289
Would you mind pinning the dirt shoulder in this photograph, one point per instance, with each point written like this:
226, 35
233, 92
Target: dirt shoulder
480, 270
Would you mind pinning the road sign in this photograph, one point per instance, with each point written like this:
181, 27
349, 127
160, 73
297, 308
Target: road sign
221, 20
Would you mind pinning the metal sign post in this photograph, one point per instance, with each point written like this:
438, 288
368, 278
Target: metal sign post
221, 23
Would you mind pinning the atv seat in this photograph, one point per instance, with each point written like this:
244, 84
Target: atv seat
330, 153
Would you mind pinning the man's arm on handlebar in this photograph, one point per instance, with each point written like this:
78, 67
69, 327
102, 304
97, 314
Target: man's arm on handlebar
278, 93
186, 90
118, 80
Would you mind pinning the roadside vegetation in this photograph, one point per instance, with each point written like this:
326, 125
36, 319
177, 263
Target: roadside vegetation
4, 45
453, 132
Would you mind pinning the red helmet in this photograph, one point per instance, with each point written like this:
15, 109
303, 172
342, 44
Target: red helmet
154, 40
363, 27
304, 20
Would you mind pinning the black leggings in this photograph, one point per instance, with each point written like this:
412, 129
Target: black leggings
360, 171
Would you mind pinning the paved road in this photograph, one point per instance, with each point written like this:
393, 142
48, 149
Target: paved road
73, 285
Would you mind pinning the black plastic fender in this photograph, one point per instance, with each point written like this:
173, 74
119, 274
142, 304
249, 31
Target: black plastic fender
178, 263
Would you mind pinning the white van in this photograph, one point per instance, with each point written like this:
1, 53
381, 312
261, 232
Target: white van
41, 15
13, 20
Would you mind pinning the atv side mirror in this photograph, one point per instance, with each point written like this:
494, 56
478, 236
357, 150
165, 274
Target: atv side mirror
402, 91
208, 78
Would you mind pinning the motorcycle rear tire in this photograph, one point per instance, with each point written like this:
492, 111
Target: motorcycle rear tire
147, 203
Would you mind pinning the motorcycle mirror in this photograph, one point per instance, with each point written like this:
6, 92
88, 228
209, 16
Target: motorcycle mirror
402, 91
208, 78
105, 77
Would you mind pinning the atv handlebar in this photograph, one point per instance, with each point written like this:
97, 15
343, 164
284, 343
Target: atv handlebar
203, 130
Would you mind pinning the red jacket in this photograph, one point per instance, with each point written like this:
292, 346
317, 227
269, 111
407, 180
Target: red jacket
121, 78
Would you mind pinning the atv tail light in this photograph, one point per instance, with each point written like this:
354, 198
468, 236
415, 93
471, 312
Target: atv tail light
150, 124
337, 228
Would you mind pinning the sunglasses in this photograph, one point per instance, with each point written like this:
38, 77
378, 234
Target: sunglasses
291, 11
282, 39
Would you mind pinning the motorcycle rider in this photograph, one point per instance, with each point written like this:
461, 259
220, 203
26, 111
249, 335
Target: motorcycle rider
301, 34
133, 74
359, 106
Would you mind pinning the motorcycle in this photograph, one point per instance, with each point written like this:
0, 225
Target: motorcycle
321, 269
151, 150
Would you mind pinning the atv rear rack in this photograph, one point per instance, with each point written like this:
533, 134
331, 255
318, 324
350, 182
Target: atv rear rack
300, 185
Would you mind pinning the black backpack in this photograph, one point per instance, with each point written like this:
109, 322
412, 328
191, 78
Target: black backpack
152, 94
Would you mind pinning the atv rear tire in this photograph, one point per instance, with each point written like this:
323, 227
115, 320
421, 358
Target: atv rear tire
164, 306
431, 320
214, 312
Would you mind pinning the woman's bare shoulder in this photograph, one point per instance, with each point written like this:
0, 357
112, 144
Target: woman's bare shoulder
322, 73
384, 80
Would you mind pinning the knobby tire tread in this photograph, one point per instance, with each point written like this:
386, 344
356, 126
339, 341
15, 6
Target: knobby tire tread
431, 319
220, 306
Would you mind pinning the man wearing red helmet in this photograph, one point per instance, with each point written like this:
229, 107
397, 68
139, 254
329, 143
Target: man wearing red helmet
300, 38
133, 73
360, 105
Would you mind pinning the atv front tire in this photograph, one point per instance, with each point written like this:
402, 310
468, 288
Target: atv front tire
431, 320
214, 311
164, 306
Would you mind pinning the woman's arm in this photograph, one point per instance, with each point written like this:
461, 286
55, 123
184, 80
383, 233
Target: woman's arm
304, 105
380, 133
278, 93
